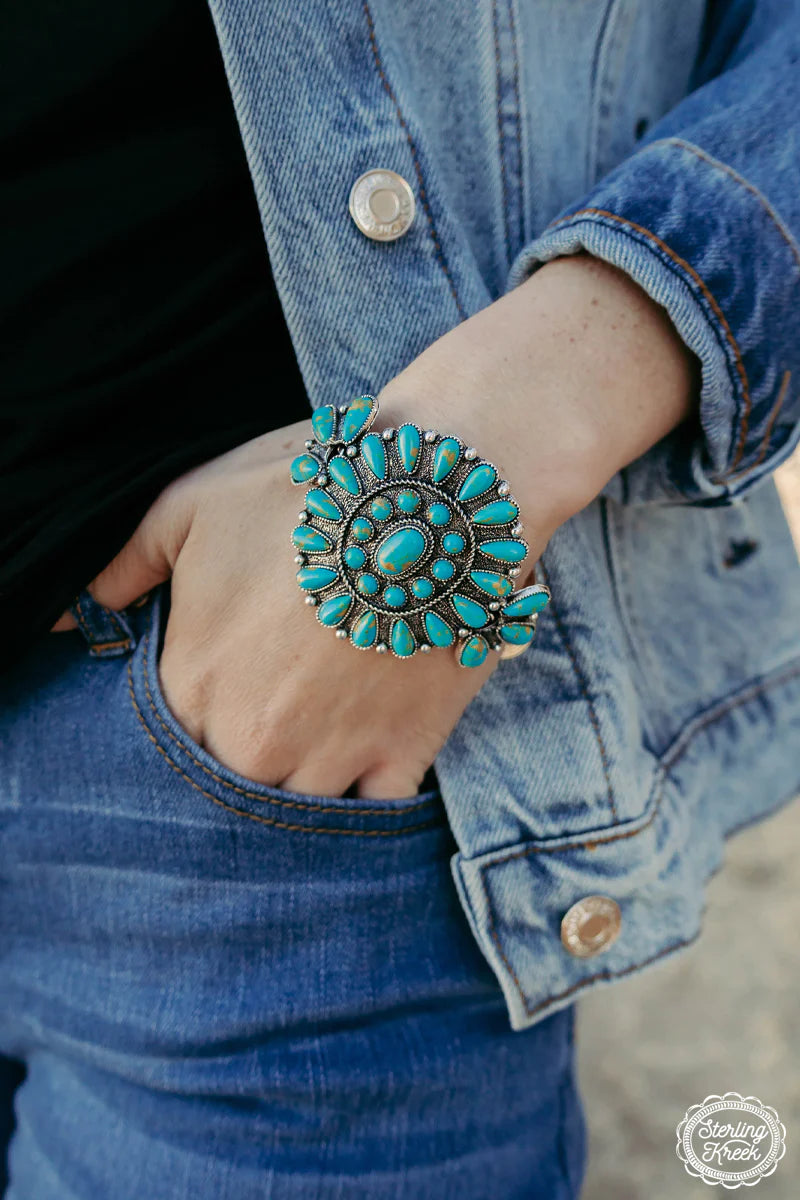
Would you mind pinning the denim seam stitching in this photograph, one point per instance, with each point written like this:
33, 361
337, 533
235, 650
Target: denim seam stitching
773, 416
501, 137
371, 812
423, 195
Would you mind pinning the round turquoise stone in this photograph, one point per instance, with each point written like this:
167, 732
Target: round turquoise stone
311, 579
479, 480
437, 514
304, 467
381, 508
499, 512
356, 417
408, 444
395, 597
323, 422
334, 610
469, 612
517, 635
530, 601
399, 551
443, 570
494, 585
354, 557
306, 538
422, 588
505, 549
402, 639
438, 630
445, 458
453, 543
473, 651
321, 505
367, 584
407, 501
362, 529
341, 471
365, 629
373, 452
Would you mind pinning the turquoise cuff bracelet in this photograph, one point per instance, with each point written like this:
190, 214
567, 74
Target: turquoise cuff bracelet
409, 540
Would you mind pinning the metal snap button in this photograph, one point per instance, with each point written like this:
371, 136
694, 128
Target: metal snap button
382, 205
591, 925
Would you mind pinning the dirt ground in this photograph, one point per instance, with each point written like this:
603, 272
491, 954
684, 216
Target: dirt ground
724, 1016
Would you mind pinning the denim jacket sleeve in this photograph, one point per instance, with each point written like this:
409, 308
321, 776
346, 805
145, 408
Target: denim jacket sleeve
705, 216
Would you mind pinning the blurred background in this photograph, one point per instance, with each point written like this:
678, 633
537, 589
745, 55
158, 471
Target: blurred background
723, 1016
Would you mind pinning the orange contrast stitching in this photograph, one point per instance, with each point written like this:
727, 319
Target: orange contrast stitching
110, 645
415, 159
787, 375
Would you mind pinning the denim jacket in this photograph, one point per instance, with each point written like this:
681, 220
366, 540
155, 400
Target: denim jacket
659, 707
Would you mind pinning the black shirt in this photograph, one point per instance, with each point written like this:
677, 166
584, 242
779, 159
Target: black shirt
141, 331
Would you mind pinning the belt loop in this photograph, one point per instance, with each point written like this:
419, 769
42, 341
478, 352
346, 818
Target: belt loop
108, 631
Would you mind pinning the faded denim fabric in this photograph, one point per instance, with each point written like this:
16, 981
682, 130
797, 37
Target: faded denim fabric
659, 707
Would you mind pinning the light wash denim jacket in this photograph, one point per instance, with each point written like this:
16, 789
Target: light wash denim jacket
659, 707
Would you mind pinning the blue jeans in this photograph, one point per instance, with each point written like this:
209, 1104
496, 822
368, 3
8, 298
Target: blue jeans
218, 989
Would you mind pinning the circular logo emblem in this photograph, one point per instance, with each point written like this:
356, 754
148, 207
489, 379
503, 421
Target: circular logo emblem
731, 1140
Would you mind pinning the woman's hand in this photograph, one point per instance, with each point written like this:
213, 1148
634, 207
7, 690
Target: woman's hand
559, 383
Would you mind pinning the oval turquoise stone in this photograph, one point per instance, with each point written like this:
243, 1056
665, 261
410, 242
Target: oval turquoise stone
494, 585
469, 612
356, 417
354, 557
311, 540
506, 550
453, 543
367, 584
473, 651
304, 467
499, 512
311, 579
365, 629
341, 471
437, 514
408, 444
445, 458
438, 630
373, 452
334, 610
479, 480
517, 635
381, 508
322, 505
399, 551
402, 639
395, 597
422, 588
407, 501
362, 529
443, 570
528, 602
323, 422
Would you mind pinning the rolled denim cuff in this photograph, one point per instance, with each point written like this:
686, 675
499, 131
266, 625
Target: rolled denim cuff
709, 248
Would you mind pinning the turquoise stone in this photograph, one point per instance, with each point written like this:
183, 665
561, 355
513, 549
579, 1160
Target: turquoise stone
422, 588
408, 444
494, 585
453, 543
402, 638
517, 635
362, 529
479, 480
442, 569
407, 501
367, 584
365, 629
322, 505
529, 602
310, 540
334, 610
399, 551
381, 508
445, 458
473, 651
304, 467
311, 579
499, 512
354, 557
356, 417
438, 630
437, 514
395, 597
506, 550
373, 452
469, 612
341, 471
323, 422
